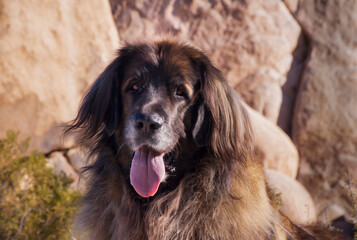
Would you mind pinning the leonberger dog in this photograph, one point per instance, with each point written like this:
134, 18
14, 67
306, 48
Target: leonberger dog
173, 152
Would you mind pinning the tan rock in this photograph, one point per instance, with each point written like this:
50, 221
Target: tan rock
291, 86
78, 158
333, 212
50, 52
325, 120
274, 148
297, 203
250, 41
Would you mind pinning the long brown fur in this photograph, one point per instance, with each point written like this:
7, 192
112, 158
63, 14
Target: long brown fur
221, 195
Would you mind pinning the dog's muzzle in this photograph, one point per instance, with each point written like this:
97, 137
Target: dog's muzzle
147, 123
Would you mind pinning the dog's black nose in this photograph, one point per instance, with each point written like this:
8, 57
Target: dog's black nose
148, 123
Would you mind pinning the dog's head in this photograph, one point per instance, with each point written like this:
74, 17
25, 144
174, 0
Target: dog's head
159, 100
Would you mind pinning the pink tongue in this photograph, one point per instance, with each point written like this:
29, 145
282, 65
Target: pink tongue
147, 171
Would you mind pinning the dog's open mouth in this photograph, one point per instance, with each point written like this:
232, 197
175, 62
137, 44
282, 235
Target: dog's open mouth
147, 171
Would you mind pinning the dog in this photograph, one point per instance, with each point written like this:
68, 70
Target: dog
174, 155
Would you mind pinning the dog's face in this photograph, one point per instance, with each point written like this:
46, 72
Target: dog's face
157, 91
162, 101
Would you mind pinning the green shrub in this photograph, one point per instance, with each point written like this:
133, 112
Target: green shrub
34, 203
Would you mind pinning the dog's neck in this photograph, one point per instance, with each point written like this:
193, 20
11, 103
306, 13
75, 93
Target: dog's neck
198, 206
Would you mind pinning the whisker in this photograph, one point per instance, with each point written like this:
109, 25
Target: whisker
120, 147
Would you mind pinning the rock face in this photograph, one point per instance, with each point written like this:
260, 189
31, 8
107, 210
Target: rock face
250, 41
291, 86
50, 52
78, 158
325, 119
297, 203
273, 147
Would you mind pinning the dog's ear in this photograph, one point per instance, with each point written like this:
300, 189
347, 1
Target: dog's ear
221, 122
100, 108
200, 125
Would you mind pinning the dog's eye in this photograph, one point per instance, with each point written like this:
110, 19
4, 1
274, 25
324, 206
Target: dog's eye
180, 91
135, 87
